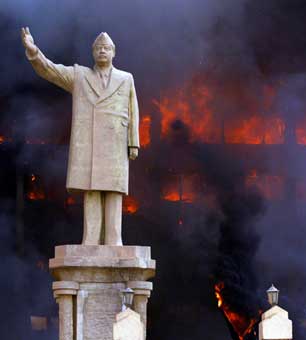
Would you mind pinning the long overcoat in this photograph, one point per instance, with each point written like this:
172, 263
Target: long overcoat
104, 124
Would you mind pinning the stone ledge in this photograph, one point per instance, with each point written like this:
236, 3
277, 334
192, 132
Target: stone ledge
98, 262
122, 252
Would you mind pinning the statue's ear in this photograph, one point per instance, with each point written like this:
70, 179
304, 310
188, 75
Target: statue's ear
114, 50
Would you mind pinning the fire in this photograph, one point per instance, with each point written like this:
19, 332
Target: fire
2, 139
218, 288
194, 104
255, 130
35, 189
145, 131
180, 188
241, 325
130, 205
173, 196
192, 108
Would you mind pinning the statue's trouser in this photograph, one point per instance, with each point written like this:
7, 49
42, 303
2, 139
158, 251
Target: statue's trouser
102, 218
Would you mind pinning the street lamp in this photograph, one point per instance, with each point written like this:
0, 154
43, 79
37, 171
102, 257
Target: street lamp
273, 293
127, 296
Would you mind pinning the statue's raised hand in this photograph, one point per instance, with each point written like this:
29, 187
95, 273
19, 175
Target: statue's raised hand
28, 41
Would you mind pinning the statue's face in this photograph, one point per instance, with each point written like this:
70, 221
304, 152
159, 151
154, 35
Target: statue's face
103, 53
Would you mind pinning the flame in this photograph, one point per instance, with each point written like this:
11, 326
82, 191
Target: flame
180, 188
255, 130
35, 189
130, 205
218, 288
241, 325
195, 106
173, 196
4, 139
192, 108
145, 131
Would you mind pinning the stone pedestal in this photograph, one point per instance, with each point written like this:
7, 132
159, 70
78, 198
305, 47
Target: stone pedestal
88, 284
275, 325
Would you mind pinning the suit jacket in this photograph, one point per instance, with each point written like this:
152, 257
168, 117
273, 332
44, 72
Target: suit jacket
104, 124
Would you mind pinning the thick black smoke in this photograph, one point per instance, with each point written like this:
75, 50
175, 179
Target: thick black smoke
235, 46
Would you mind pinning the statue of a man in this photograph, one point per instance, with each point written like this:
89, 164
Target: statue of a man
104, 133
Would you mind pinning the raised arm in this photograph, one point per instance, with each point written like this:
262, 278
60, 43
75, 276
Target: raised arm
57, 74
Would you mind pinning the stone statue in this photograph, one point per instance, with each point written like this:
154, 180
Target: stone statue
104, 134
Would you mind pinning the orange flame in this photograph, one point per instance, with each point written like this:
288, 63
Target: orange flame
255, 130
130, 205
180, 188
241, 325
145, 131
193, 110
173, 196
35, 190
195, 107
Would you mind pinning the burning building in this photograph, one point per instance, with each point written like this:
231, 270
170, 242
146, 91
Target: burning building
220, 181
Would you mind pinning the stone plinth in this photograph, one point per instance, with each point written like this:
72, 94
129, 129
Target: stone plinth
88, 284
275, 325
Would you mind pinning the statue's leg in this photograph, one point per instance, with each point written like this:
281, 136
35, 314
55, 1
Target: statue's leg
93, 218
113, 218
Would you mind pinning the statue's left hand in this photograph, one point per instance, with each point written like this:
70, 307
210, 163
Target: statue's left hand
133, 153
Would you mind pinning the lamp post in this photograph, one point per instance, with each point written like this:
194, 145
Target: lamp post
127, 296
273, 293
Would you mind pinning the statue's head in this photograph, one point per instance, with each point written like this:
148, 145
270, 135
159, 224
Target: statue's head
103, 49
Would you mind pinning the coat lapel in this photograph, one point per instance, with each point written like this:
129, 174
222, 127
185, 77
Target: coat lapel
115, 82
94, 82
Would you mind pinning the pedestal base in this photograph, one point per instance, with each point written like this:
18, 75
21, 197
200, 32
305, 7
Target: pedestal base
88, 284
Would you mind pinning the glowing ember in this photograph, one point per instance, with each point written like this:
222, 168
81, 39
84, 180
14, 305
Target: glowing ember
35, 190
145, 131
2, 139
241, 325
130, 205
70, 200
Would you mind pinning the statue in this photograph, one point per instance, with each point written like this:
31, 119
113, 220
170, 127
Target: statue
104, 134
